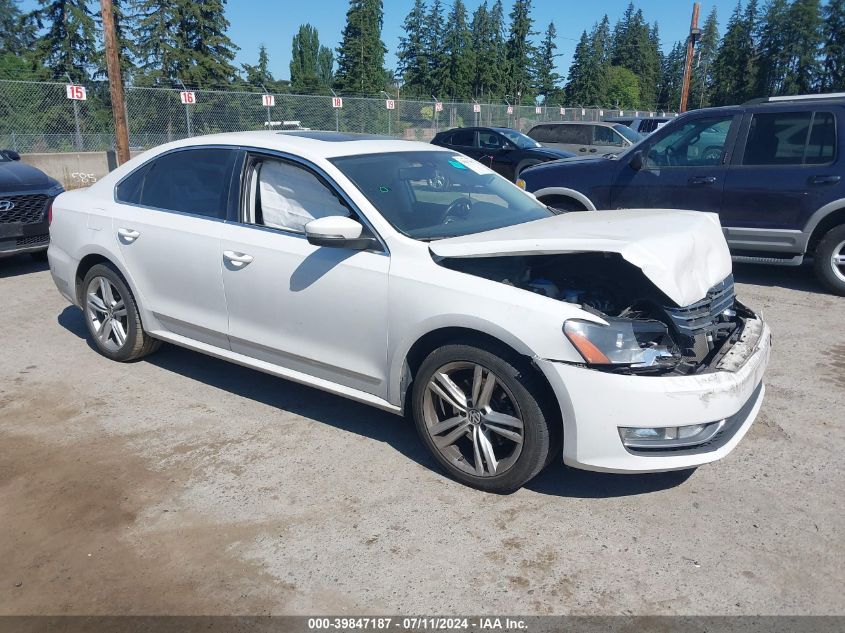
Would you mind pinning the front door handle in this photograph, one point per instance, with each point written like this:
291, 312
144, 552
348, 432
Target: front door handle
237, 260
824, 180
593, 151
702, 180
583, 149
128, 235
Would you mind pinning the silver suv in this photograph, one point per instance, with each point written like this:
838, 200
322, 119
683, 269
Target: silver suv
584, 137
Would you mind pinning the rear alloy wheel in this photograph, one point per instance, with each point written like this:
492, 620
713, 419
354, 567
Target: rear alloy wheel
481, 419
830, 260
112, 318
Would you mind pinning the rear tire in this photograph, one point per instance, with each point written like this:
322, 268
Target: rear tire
111, 316
499, 435
828, 252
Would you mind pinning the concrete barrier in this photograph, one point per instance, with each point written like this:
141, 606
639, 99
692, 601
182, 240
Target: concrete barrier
74, 169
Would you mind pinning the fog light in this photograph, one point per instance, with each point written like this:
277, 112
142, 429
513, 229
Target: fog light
668, 436
520, 183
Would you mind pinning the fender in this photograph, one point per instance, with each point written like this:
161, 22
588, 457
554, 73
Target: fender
816, 218
566, 192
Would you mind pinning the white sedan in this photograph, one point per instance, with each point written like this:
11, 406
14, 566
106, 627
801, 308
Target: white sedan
418, 281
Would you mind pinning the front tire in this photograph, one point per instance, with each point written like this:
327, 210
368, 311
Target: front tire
480, 416
112, 317
829, 260
522, 166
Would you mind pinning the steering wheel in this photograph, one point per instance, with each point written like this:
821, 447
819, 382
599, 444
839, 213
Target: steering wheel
459, 209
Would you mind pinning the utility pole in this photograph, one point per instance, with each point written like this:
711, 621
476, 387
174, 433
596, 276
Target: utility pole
118, 106
694, 33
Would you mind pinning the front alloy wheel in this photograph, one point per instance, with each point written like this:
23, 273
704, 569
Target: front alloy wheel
479, 413
472, 418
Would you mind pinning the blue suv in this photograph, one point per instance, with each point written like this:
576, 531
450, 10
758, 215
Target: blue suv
772, 169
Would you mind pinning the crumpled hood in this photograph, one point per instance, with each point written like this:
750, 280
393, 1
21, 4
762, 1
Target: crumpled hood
682, 252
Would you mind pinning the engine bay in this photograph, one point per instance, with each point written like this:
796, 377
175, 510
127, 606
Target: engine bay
659, 337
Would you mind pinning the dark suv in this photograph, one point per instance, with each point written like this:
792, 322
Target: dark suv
772, 169
25, 197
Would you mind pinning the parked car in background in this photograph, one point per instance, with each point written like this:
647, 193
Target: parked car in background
641, 125
585, 138
330, 259
504, 150
25, 197
774, 171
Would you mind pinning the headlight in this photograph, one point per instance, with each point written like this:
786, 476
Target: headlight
520, 183
641, 343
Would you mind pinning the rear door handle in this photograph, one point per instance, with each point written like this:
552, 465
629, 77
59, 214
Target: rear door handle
824, 180
237, 260
702, 180
128, 235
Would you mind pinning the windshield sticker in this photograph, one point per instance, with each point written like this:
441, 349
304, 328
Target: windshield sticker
456, 164
468, 163
384, 189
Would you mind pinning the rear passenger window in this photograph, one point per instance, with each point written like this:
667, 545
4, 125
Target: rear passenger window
192, 181
542, 134
464, 138
606, 136
790, 138
822, 145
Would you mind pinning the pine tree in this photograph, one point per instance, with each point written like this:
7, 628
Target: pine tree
325, 67
636, 46
705, 56
672, 78
211, 51
482, 45
412, 53
306, 74
624, 49
519, 51
455, 77
586, 83
834, 46
773, 58
735, 67
434, 47
545, 77
360, 57
17, 31
805, 40
259, 74
69, 45
497, 50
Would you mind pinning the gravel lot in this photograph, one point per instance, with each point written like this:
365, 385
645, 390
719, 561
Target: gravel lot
183, 485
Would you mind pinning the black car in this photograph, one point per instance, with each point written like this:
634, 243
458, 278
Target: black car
773, 170
25, 197
504, 150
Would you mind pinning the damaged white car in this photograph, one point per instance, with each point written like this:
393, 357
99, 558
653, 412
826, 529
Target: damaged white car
416, 280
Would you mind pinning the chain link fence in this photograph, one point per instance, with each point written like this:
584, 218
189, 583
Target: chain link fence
39, 117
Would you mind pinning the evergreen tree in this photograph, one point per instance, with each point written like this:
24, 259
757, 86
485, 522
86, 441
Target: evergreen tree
17, 31
636, 46
672, 78
259, 74
498, 49
69, 45
158, 40
412, 53
773, 58
455, 77
434, 47
735, 67
805, 40
705, 56
325, 67
306, 74
482, 45
545, 77
212, 52
360, 57
625, 38
519, 51
586, 82
833, 49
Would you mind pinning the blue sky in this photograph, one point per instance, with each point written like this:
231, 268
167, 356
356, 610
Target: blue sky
274, 22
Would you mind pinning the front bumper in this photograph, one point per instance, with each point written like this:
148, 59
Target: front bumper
594, 404
17, 238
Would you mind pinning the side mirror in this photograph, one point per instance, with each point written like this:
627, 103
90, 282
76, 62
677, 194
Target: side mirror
636, 161
338, 231
12, 154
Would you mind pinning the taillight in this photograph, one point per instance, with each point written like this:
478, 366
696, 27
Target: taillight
50, 214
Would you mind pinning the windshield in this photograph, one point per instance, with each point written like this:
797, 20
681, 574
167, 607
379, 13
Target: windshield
520, 140
431, 195
628, 133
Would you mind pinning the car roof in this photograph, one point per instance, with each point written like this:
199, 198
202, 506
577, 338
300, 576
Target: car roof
309, 144
602, 123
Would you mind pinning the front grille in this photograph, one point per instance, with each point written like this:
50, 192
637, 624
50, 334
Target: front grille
28, 209
33, 240
695, 323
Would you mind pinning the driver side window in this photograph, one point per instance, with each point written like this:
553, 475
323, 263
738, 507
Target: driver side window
697, 143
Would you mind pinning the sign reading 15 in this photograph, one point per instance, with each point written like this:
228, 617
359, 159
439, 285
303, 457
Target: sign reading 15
77, 93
